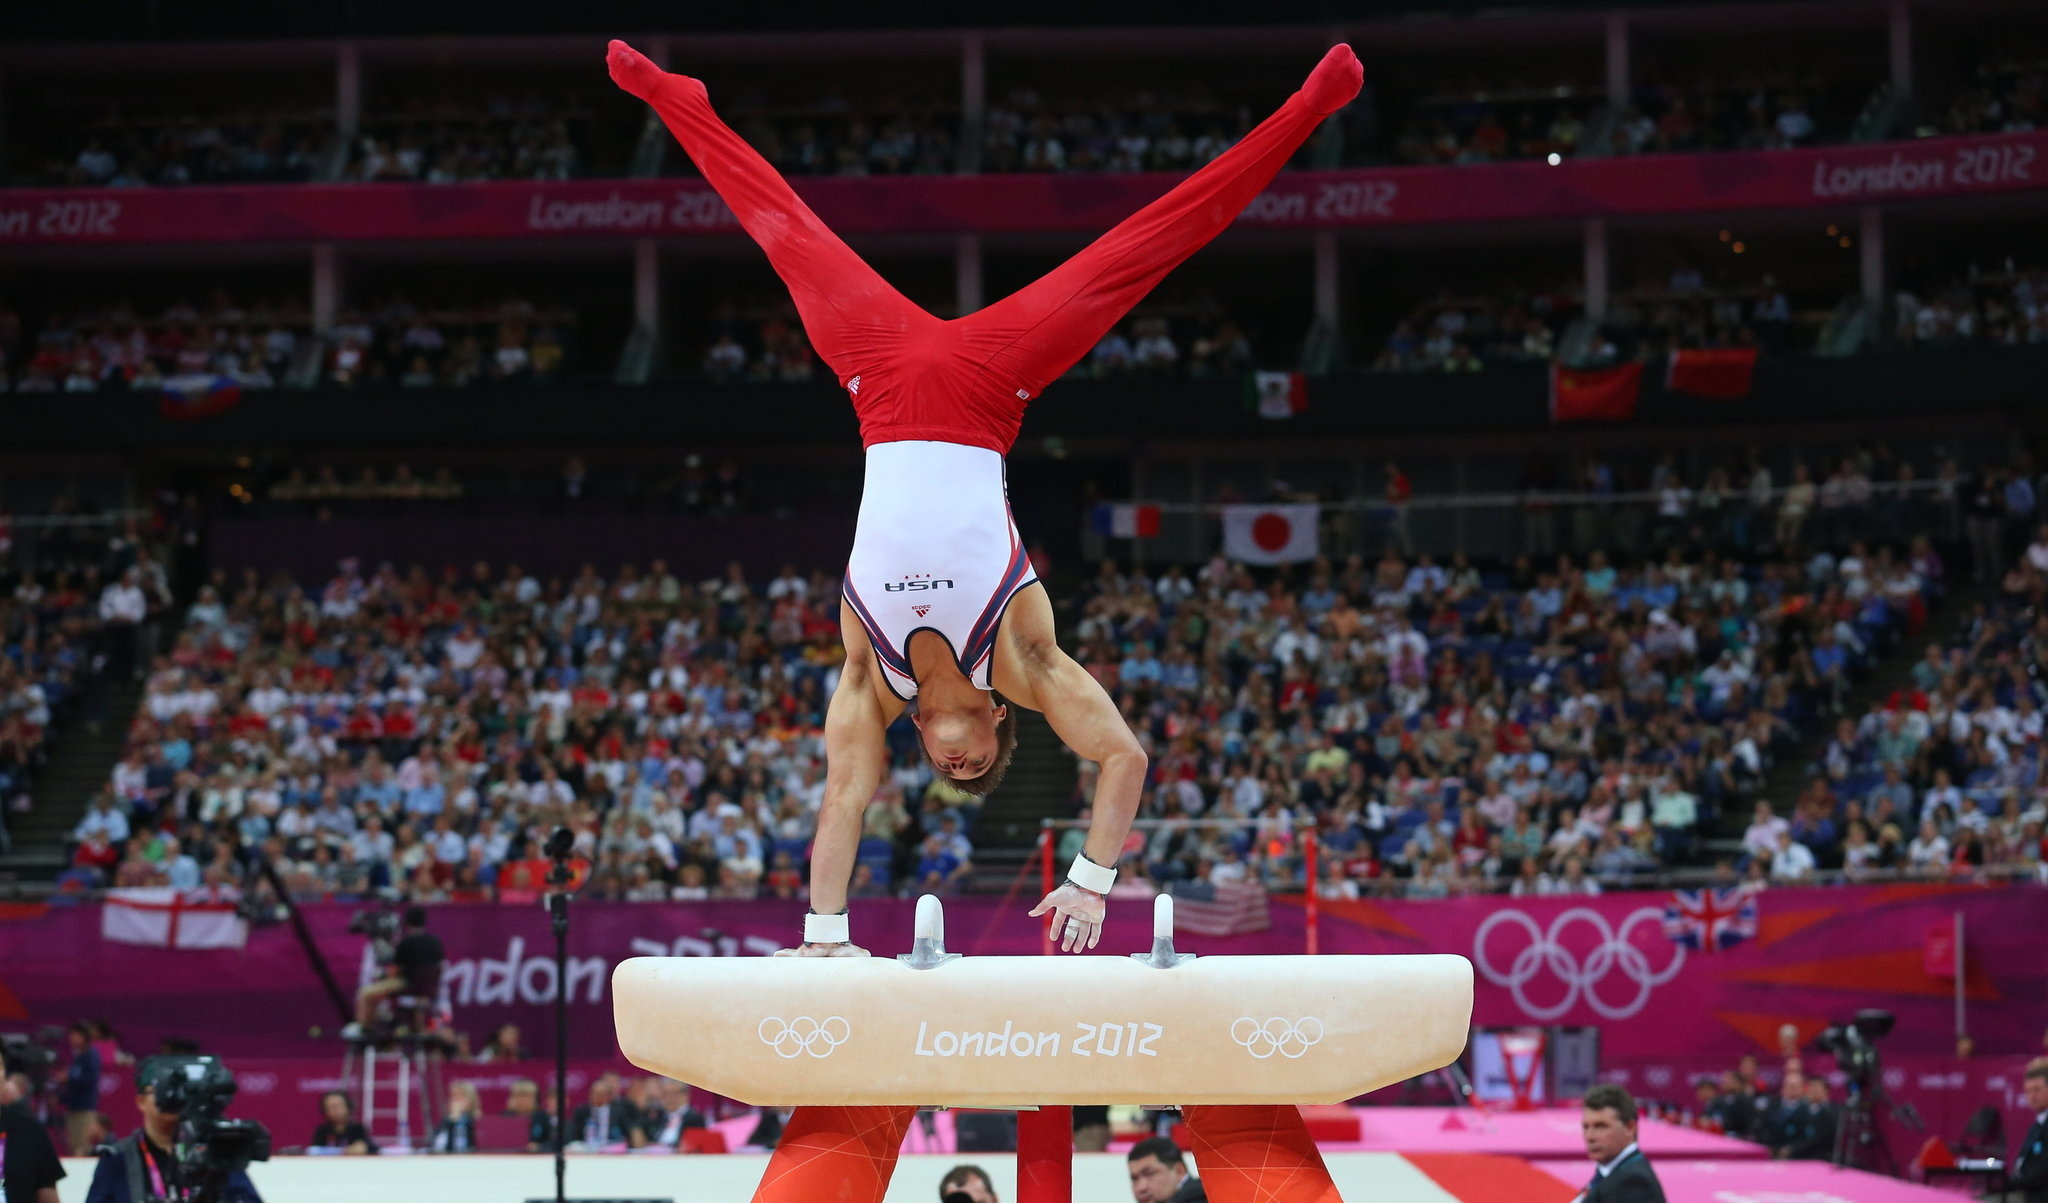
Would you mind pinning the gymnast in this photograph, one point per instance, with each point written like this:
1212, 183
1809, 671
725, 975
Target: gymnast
939, 606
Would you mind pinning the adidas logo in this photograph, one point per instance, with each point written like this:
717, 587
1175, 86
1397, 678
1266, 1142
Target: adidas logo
920, 611
853, 386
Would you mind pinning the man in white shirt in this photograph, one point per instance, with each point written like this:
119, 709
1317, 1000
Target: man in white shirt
1764, 830
103, 817
124, 608
1791, 860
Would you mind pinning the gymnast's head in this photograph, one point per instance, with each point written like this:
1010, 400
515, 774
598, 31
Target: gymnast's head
971, 745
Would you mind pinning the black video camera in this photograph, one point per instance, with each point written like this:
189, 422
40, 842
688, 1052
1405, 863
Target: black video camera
22, 1054
198, 1089
1854, 1045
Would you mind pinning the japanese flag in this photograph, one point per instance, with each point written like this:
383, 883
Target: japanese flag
1270, 534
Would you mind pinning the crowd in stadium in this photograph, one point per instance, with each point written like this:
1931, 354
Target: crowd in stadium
2005, 96
1682, 313
408, 731
1484, 123
1452, 335
252, 340
199, 148
2004, 306
1195, 339
1947, 769
47, 636
543, 132
1549, 726
1448, 730
257, 344
66, 634
396, 342
257, 341
443, 140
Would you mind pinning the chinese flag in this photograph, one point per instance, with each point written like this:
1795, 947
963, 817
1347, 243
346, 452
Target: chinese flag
1724, 375
1596, 394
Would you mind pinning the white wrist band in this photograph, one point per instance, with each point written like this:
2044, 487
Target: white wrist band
1091, 876
826, 929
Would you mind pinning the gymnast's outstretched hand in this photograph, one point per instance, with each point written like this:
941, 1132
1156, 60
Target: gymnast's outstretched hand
824, 950
1078, 914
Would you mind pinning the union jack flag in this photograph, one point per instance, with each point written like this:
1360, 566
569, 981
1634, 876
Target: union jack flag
1710, 920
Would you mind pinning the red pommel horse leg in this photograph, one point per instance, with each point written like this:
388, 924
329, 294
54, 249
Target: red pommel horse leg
836, 1155
1257, 1153
1252, 1153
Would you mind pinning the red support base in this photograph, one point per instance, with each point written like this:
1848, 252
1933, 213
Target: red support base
1045, 1155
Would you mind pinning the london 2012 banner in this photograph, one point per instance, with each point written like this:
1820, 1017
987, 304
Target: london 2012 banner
1710, 972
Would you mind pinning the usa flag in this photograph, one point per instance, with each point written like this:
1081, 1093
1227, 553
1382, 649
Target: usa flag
1710, 920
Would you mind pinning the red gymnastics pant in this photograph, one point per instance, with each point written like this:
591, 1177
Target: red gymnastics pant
914, 376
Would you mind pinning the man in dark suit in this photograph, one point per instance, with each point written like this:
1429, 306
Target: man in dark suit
1621, 1174
1777, 1121
1735, 1106
2027, 1172
1160, 1175
606, 1120
1811, 1129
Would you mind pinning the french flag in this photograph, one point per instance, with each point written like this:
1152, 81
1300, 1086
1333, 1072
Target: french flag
1127, 520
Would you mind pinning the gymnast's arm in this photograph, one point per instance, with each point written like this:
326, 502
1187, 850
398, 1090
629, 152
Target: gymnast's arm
1044, 678
856, 757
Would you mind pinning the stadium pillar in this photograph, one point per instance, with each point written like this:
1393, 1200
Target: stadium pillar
967, 273
973, 102
1902, 47
1872, 236
348, 89
326, 286
647, 286
1326, 280
1618, 88
1596, 268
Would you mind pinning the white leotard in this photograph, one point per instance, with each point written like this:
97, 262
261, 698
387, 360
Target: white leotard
936, 549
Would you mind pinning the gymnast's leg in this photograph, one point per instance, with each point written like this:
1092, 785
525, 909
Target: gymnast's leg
1040, 331
852, 315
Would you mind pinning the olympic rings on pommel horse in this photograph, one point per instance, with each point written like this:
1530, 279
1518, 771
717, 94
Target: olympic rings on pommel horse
1236, 1040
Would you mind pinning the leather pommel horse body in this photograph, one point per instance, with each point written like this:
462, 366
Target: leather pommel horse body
860, 1044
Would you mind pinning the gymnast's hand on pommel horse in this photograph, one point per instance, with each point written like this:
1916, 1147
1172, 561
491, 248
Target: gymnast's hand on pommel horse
940, 606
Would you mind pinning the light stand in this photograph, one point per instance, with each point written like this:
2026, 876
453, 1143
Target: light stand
560, 844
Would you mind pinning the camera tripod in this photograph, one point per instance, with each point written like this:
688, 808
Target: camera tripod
1858, 1143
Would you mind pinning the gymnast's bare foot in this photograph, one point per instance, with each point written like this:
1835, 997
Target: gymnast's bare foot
824, 950
1331, 86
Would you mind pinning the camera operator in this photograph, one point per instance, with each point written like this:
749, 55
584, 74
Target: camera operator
29, 1168
414, 969
141, 1166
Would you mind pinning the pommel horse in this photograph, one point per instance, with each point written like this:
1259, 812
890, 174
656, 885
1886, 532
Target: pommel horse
859, 1044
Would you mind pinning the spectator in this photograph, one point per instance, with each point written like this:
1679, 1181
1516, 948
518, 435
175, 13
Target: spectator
338, 1128
80, 1093
605, 1121
456, 1132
